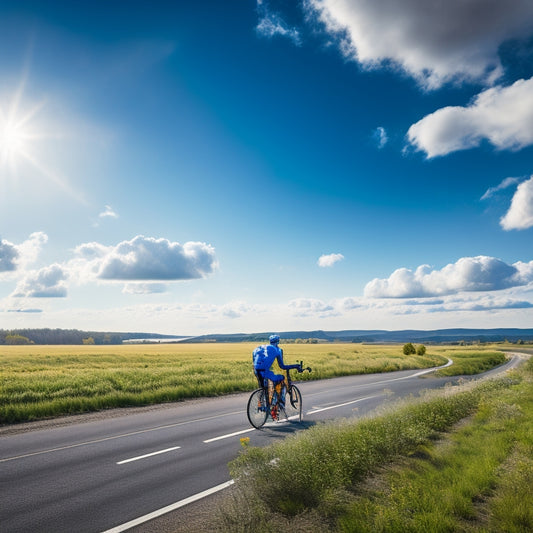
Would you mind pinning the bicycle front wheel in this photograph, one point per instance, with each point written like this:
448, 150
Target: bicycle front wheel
293, 404
257, 408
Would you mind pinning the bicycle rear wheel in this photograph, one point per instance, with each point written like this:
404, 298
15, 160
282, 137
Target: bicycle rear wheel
293, 404
257, 410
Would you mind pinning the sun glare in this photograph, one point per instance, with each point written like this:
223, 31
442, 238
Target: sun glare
22, 132
16, 132
13, 141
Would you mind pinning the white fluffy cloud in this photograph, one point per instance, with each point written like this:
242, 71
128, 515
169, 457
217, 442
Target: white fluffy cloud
501, 115
8, 256
17, 257
520, 214
48, 282
432, 40
479, 273
328, 260
145, 259
142, 262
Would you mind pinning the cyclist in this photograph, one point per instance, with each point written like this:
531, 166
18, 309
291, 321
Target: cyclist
263, 359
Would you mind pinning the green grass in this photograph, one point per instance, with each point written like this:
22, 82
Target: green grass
48, 381
467, 363
459, 460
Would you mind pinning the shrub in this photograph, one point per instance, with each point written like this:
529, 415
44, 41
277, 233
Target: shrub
421, 350
409, 349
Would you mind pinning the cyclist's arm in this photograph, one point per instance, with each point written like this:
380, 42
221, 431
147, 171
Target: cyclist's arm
282, 365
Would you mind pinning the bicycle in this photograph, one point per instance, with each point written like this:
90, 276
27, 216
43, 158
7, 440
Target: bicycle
260, 407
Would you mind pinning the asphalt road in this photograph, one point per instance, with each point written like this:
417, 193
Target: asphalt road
112, 473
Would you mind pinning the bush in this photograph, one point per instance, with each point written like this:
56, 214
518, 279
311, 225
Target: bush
409, 349
421, 350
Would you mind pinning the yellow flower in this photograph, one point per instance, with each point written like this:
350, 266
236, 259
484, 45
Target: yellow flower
245, 441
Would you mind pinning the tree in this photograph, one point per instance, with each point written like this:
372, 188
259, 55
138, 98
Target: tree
409, 349
17, 339
421, 350
88, 340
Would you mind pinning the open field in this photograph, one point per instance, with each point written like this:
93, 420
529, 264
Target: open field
47, 381
457, 460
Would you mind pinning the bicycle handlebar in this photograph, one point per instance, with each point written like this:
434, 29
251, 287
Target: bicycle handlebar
302, 369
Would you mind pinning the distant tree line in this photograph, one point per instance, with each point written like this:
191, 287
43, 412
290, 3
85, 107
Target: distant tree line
300, 341
67, 336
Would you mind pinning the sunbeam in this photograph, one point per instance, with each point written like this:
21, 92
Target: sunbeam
21, 134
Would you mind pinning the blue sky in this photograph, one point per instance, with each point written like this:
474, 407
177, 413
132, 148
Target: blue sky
201, 167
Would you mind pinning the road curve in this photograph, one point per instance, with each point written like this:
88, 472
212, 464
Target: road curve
111, 474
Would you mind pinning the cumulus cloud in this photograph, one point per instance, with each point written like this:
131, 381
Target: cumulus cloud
48, 282
8, 256
16, 258
328, 260
491, 191
479, 273
144, 259
501, 115
142, 262
520, 214
271, 24
433, 41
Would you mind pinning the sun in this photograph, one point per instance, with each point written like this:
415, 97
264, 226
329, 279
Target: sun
24, 134
14, 140
17, 132
28, 137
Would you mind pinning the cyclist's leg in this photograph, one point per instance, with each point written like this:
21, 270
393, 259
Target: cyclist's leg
273, 394
275, 382
260, 378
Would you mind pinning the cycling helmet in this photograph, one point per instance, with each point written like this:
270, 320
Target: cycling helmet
274, 339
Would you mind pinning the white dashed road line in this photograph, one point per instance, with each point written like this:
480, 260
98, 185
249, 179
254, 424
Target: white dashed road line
147, 455
228, 435
342, 404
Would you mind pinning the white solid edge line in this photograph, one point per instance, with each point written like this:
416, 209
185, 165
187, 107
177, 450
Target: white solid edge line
147, 455
169, 508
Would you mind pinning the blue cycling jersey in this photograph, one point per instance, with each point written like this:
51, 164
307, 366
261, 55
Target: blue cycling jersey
265, 355
263, 359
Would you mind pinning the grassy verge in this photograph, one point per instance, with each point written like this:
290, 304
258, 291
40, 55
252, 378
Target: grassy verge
47, 381
469, 363
460, 461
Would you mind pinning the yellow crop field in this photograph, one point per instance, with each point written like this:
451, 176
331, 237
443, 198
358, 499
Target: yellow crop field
45, 381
